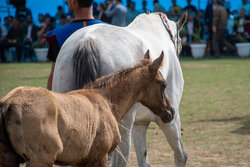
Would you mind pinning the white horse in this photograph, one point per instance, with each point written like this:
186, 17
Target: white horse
99, 49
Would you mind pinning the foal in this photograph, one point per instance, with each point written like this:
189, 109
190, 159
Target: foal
79, 128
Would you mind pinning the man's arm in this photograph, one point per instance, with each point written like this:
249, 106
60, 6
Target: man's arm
50, 79
52, 55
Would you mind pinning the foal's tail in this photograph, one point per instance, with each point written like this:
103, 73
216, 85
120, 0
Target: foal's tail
86, 62
4, 139
8, 156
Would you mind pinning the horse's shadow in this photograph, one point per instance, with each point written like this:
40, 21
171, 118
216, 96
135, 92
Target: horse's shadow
244, 129
244, 121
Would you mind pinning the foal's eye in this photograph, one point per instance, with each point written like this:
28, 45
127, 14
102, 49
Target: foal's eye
163, 84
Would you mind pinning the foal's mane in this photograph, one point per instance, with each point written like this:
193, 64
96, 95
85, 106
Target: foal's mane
113, 77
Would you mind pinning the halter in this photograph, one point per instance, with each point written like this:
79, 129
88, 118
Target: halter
165, 22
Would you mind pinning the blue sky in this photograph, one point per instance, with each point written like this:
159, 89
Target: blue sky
50, 6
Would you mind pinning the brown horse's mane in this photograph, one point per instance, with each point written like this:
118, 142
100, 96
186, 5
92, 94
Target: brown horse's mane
113, 77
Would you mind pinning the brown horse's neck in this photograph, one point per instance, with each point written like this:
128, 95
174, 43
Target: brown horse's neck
125, 92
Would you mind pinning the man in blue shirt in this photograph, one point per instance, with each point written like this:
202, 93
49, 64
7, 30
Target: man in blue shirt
56, 37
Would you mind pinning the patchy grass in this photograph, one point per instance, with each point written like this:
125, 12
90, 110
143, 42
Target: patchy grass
215, 111
13, 75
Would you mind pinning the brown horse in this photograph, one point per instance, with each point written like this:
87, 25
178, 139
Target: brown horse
79, 128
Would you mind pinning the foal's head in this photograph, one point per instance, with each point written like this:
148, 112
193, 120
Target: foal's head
154, 94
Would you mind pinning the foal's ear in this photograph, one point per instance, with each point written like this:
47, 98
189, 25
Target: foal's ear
147, 56
157, 63
182, 20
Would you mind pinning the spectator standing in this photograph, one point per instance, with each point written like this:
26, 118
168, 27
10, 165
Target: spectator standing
230, 24
47, 26
102, 16
190, 27
175, 7
3, 34
219, 29
47, 15
172, 14
63, 20
95, 10
41, 20
1, 31
245, 5
132, 13
4, 29
194, 28
31, 30
56, 37
59, 13
190, 8
158, 7
240, 25
30, 36
200, 23
227, 5
15, 39
22, 11
144, 6
128, 3
10, 21
118, 12
209, 23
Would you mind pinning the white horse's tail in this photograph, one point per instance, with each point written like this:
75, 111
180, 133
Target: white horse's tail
86, 62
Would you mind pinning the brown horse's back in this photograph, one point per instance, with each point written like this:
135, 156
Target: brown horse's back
31, 123
57, 127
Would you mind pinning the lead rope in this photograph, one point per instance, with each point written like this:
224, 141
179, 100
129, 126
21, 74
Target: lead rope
119, 151
118, 148
128, 131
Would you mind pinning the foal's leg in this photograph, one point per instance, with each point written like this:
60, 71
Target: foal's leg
125, 128
101, 163
139, 139
173, 135
43, 149
45, 152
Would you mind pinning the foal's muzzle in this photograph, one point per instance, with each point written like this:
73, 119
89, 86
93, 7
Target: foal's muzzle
168, 114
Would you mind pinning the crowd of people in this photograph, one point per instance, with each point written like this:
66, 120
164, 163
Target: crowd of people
232, 25
21, 33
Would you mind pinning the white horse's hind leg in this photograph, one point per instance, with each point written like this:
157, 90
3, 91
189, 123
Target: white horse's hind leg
139, 139
173, 135
125, 128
